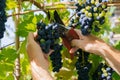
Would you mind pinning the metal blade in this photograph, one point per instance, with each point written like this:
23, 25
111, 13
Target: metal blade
61, 29
57, 18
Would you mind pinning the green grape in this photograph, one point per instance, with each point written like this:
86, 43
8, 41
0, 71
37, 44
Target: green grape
92, 12
86, 12
87, 8
92, 1
89, 14
83, 10
104, 6
101, 15
95, 9
95, 14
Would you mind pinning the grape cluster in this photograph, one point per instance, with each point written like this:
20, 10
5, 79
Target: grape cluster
91, 14
56, 58
2, 17
48, 38
103, 72
82, 65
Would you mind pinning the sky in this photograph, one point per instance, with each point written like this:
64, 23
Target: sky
9, 33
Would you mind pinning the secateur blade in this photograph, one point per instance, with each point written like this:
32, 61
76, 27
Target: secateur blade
57, 18
67, 34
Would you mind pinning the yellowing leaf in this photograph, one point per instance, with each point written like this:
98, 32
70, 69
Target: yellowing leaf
11, 4
34, 20
30, 27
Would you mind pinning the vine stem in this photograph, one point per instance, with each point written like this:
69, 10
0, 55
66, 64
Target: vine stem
17, 43
52, 8
70, 18
41, 8
21, 13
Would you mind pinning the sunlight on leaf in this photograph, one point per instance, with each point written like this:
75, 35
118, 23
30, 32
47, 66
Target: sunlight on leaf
30, 27
34, 20
11, 4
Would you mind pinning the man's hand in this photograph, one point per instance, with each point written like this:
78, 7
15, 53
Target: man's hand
88, 43
38, 60
97, 46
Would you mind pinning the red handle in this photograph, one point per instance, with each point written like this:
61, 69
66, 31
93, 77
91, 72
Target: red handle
70, 35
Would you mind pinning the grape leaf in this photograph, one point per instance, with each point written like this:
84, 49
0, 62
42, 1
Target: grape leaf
11, 4
8, 55
115, 76
34, 20
117, 45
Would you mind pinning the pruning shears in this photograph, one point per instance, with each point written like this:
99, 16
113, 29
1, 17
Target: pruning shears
66, 33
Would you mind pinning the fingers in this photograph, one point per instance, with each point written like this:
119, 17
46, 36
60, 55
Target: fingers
79, 33
73, 50
76, 42
47, 55
35, 35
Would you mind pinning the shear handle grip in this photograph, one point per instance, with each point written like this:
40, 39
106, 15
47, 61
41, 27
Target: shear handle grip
70, 35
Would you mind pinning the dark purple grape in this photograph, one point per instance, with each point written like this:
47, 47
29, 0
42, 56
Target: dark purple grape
3, 17
48, 38
97, 29
77, 4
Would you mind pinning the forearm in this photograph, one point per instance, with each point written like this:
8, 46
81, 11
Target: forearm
39, 65
110, 55
39, 73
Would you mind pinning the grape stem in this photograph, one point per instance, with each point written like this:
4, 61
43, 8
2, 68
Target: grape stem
70, 18
8, 45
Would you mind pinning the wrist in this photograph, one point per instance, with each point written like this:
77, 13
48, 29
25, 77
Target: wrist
101, 48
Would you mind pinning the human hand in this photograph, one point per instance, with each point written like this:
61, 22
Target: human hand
38, 60
88, 43
35, 52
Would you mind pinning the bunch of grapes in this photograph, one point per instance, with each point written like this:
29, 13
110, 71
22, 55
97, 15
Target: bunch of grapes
82, 65
103, 72
56, 58
91, 14
48, 38
2, 17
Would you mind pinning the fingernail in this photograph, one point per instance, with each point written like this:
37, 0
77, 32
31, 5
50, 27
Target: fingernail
70, 51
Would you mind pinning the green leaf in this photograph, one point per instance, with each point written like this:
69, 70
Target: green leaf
95, 62
26, 26
25, 66
112, 9
30, 27
8, 55
22, 31
116, 29
5, 70
34, 20
7, 58
64, 74
23, 47
115, 76
117, 45
11, 4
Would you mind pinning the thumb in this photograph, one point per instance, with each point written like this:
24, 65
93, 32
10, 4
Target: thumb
30, 37
75, 43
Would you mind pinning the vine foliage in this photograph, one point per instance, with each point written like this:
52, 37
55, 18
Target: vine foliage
33, 11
